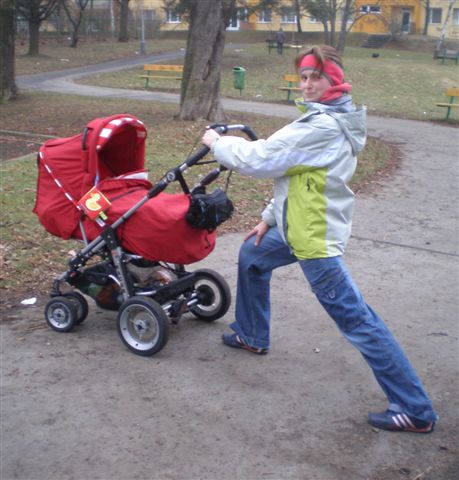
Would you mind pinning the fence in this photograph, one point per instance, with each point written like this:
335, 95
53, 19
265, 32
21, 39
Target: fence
96, 23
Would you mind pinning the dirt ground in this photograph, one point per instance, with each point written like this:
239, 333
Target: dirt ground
80, 406
15, 146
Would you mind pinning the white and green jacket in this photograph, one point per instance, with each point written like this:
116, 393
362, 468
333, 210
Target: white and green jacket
311, 160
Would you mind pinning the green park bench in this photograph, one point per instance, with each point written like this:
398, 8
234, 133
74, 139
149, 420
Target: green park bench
453, 94
290, 84
445, 54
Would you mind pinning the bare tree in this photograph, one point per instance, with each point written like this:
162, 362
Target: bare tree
426, 4
325, 12
200, 95
123, 35
348, 14
35, 11
298, 15
329, 13
75, 10
441, 41
7, 30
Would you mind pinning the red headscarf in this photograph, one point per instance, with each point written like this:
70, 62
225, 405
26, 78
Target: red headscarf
332, 71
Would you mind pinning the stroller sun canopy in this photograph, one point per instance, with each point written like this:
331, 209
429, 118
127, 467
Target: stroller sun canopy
116, 147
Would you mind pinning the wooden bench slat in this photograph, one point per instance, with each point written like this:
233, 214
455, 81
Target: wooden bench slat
167, 68
452, 92
291, 82
170, 72
297, 89
452, 105
161, 76
271, 44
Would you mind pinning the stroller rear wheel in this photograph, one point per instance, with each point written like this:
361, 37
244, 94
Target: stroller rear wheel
214, 295
61, 314
80, 304
143, 325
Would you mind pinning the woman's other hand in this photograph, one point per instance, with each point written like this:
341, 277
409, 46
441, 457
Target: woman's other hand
259, 231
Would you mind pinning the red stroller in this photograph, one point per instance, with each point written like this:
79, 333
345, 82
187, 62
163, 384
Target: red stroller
138, 239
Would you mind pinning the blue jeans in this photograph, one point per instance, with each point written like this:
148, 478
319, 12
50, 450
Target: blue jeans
334, 288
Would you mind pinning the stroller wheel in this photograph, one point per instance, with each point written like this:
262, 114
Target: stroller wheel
143, 325
61, 314
80, 304
214, 295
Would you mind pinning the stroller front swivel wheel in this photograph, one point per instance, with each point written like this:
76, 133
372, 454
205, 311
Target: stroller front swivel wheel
143, 325
214, 295
80, 304
61, 314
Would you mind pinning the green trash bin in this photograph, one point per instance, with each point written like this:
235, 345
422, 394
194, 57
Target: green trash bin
239, 78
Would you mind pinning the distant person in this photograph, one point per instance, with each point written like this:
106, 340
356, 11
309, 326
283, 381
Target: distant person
309, 222
280, 40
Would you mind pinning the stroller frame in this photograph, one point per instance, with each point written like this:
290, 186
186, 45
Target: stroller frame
144, 310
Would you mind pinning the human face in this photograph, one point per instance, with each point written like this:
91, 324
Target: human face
313, 85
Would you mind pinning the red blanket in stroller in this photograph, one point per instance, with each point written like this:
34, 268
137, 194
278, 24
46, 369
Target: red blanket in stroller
109, 154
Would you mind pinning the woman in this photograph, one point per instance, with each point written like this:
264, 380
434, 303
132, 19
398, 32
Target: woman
309, 222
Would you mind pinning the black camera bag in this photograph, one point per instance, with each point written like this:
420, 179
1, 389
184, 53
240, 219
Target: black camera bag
208, 210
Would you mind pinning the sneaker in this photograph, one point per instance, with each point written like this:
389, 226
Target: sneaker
233, 340
399, 422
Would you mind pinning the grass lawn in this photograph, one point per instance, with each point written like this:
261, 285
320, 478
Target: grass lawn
398, 83
30, 257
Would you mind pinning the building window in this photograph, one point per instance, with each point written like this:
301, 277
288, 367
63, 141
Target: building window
288, 15
172, 16
435, 15
243, 14
370, 9
265, 15
313, 20
455, 16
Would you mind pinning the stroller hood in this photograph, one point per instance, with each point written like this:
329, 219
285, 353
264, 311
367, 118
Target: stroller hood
70, 167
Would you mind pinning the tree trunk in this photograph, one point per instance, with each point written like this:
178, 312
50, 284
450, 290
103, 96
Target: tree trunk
76, 28
75, 22
34, 38
326, 33
298, 16
124, 15
200, 90
347, 10
426, 19
332, 19
441, 40
8, 88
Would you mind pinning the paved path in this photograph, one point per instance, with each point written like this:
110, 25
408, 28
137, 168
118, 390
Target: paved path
80, 406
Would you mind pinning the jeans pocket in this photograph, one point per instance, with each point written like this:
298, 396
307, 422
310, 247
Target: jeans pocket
342, 301
325, 284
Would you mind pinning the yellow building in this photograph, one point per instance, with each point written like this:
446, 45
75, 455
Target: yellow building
370, 16
404, 17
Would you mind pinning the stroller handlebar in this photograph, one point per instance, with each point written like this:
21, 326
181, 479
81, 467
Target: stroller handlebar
219, 128
223, 128
176, 173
